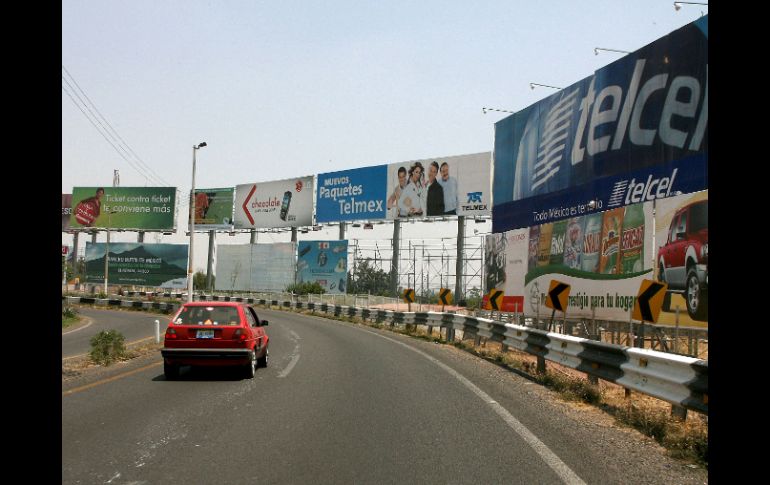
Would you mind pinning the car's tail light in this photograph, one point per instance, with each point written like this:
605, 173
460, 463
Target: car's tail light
171, 334
239, 335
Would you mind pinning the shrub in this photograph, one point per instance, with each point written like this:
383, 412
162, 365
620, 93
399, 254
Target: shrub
68, 312
107, 346
305, 288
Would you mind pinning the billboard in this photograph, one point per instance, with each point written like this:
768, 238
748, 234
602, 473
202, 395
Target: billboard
214, 209
282, 203
325, 263
443, 186
357, 194
138, 264
137, 208
681, 240
66, 211
255, 267
635, 131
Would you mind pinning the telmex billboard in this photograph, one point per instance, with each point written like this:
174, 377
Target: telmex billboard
635, 131
282, 203
140, 208
442, 186
325, 263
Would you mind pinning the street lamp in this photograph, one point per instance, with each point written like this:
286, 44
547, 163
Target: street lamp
192, 227
107, 251
484, 110
678, 5
532, 86
597, 49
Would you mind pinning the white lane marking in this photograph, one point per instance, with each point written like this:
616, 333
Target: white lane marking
562, 470
90, 321
117, 475
294, 355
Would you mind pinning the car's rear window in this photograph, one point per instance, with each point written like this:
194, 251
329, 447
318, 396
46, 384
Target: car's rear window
208, 315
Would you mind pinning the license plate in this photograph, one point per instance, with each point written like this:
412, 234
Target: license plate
205, 334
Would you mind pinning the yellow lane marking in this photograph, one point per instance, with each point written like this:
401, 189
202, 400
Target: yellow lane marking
110, 379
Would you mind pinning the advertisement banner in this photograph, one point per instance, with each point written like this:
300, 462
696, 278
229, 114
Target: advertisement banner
66, 211
349, 195
681, 237
603, 256
436, 187
255, 267
214, 209
138, 264
282, 203
635, 131
133, 208
325, 263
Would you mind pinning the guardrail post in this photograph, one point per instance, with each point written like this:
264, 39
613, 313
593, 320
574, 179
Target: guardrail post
157, 331
676, 334
678, 412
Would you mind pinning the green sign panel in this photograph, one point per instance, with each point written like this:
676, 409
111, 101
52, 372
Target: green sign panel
139, 264
138, 208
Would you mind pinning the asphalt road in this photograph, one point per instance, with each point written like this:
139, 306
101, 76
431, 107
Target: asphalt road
134, 325
340, 403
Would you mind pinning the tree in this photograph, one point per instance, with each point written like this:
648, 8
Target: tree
199, 280
368, 279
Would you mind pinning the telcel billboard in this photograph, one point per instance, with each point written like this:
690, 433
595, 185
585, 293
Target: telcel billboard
635, 131
281, 203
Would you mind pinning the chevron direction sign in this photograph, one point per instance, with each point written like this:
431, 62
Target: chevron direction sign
495, 299
409, 295
649, 301
445, 296
558, 293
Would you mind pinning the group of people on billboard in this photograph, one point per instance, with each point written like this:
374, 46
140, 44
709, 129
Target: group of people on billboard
416, 196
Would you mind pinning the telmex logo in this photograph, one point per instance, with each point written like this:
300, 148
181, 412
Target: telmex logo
474, 197
619, 114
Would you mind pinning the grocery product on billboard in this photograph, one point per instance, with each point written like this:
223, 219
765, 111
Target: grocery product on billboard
586, 253
66, 211
325, 263
281, 203
138, 264
357, 194
505, 257
214, 209
436, 187
137, 208
635, 131
255, 267
682, 257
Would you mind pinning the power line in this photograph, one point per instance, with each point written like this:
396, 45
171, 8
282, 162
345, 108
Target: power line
145, 170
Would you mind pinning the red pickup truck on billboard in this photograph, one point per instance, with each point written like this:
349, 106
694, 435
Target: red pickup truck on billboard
683, 259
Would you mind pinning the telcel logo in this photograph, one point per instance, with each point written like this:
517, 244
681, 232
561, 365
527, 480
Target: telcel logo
652, 188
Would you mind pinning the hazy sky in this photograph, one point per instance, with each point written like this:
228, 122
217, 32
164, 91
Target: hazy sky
291, 88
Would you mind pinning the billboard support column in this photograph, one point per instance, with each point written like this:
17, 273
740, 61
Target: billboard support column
75, 259
394, 263
342, 231
253, 236
140, 237
293, 234
93, 237
460, 253
209, 273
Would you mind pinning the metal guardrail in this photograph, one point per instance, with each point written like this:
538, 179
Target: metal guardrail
677, 379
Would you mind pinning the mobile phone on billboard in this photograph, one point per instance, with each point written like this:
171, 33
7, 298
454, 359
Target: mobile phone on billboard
285, 204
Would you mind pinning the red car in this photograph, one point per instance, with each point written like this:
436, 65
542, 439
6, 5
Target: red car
215, 334
683, 259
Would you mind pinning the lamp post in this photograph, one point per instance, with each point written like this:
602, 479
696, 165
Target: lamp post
678, 5
107, 251
192, 226
597, 49
484, 110
532, 86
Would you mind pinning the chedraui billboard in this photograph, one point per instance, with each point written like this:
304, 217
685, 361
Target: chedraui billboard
138, 264
214, 209
349, 195
137, 208
325, 263
442, 186
281, 203
635, 131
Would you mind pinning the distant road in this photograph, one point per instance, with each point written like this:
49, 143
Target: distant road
134, 325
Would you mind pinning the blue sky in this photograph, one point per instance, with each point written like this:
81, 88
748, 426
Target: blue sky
290, 88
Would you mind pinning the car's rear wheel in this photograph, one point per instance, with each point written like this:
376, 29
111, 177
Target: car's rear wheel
251, 368
171, 371
696, 297
262, 361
